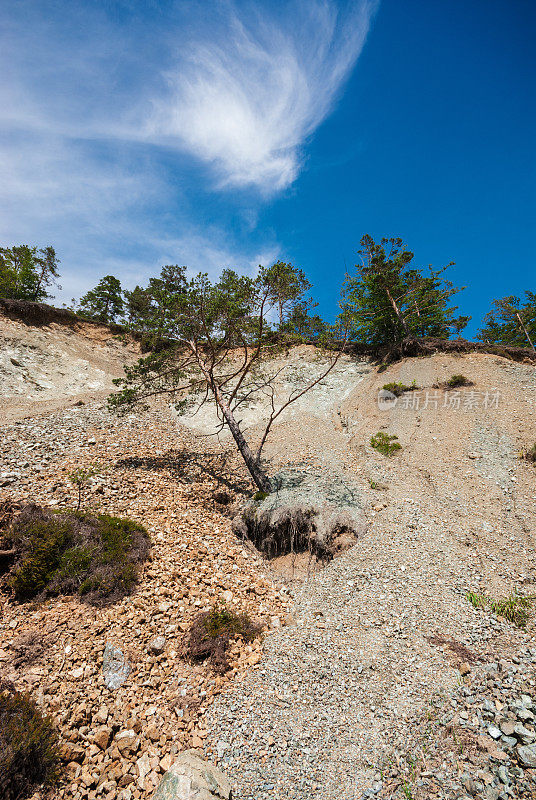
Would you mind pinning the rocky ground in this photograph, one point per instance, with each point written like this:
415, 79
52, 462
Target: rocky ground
376, 676
118, 743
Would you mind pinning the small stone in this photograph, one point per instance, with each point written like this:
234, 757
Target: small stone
508, 728
527, 755
227, 596
115, 667
494, 732
102, 737
157, 645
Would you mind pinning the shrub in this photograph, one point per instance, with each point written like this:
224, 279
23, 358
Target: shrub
457, 380
385, 443
212, 632
399, 388
28, 747
95, 556
530, 454
515, 608
259, 496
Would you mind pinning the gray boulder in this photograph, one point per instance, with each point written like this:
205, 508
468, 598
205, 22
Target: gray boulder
316, 511
190, 777
115, 667
527, 755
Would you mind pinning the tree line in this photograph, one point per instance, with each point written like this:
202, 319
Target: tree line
385, 300
213, 341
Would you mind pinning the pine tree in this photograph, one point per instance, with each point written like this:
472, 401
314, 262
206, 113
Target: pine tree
217, 339
388, 300
510, 322
104, 303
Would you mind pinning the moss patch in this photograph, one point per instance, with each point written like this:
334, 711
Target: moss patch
95, 556
28, 747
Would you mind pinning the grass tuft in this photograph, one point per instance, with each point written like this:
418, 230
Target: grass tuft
399, 388
385, 443
458, 380
28, 747
515, 608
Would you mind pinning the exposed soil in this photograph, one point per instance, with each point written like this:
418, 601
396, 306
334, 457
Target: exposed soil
359, 653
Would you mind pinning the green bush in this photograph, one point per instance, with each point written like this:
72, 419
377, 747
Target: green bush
28, 747
399, 388
95, 556
384, 443
212, 632
458, 380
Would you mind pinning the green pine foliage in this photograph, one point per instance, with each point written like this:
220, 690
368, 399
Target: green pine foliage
26, 273
389, 299
104, 303
511, 322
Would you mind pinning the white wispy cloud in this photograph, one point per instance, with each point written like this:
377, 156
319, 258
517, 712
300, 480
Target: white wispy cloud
247, 93
100, 133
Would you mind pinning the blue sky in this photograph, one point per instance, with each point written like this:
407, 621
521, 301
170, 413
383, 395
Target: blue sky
218, 134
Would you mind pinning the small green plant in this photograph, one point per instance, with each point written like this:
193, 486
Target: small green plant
477, 600
385, 443
458, 380
515, 608
28, 747
259, 496
81, 477
212, 632
399, 388
406, 790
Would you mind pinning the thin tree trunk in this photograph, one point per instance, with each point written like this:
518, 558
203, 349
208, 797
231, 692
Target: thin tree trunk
525, 332
260, 478
397, 312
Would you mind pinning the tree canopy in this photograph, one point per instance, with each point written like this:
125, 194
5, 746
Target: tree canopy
217, 335
26, 273
104, 303
389, 299
511, 322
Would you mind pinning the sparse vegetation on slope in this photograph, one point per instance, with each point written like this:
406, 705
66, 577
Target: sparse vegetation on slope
28, 747
95, 556
211, 635
398, 389
385, 443
515, 608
